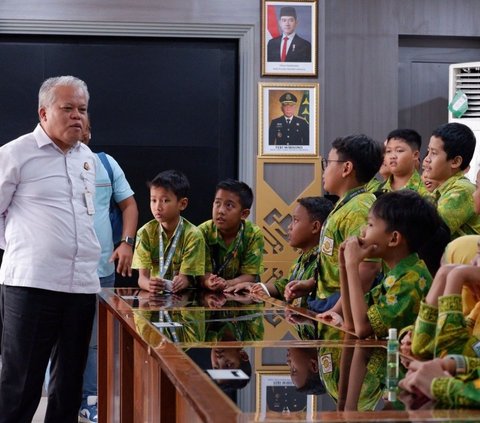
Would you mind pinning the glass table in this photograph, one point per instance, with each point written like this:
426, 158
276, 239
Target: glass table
201, 356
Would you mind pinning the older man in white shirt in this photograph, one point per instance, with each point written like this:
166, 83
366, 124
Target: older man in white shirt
48, 275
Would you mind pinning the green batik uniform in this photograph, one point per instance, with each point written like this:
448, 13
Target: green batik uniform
347, 219
395, 301
189, 256
374, 185
455, 205
373, 384
303, 269
192, 327
444, 330
241, 325
244, 256
462, 391
415, 183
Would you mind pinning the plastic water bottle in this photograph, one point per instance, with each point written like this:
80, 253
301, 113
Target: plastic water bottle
392, 364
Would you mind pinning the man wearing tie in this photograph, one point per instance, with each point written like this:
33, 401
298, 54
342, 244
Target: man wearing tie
288, 47
288, 129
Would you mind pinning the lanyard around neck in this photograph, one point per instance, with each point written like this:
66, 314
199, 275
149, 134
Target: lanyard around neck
231, 254
164, 264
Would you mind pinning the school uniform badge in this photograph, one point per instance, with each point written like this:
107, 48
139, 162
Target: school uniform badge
326, 363
327, 246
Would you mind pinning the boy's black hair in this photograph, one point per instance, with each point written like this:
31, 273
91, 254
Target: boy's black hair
458, 140
364, 152
318, 208
172, 180
410, 136
417, 219
243, 191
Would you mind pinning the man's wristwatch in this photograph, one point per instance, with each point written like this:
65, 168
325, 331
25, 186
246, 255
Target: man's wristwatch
128, 240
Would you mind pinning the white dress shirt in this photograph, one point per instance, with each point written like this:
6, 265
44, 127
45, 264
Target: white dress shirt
47, 234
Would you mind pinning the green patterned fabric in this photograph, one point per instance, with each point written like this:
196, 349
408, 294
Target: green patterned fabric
248, 259
455, 205
374, 185
423, 334
461, 391
344, 221
395, 302
444, 330
240, 325
415, 183
302, 269
189, 256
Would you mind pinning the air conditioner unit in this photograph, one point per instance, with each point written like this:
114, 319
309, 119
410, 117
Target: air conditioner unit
466, 77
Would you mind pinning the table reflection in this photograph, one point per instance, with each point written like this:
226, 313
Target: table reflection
268, 358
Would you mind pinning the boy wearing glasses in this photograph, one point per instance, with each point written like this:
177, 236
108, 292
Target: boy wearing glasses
352, 161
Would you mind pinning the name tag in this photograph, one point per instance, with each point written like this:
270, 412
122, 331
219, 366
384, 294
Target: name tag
89, 203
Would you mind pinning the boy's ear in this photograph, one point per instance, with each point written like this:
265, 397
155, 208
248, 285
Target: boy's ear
347, 169
416, 154
183, 203
395, 239
243, 355
316, 226
245, 213
457, 162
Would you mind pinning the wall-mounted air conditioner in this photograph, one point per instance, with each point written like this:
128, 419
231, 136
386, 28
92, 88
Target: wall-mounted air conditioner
466, 78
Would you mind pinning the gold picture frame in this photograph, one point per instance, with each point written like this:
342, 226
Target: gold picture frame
279, 137
276, 395
289, 37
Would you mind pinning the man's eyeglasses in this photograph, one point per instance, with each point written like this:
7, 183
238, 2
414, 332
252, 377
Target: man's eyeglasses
325, 162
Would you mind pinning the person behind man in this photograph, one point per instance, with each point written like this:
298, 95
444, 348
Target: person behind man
450, 151
288, 47
288, 129
234, 245
352, 161
123, 253
48, 275
169, 250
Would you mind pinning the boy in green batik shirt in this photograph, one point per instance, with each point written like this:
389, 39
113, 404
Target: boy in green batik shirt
352, 162
168, 247
234, 245
304, 234
402, 151
398, 225
450, 151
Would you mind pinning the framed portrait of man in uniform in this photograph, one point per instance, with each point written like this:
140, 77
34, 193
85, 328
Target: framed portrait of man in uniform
289, 37
288, 119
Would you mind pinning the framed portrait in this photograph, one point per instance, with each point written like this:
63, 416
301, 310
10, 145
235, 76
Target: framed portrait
277, 395
287, 121
289, 37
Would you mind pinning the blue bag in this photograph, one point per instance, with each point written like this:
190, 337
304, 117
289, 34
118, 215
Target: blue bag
115, 212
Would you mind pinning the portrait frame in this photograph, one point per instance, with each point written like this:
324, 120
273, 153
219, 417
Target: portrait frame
275, 137
266, 405
300, 57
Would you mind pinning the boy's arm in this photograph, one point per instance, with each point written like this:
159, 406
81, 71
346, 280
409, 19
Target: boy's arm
354, 254
193, 254
124, 252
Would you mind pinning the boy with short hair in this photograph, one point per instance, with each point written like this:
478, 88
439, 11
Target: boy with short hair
450, 151
168, 248
402, 151
398, 225
352, 161
234, 245
304, 234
